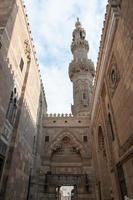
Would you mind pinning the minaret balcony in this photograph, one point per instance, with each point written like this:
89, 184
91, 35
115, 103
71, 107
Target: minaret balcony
81, 44
84, 66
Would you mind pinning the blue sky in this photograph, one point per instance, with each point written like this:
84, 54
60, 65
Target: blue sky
52, 23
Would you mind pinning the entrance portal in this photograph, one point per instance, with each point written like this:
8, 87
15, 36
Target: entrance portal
66, 162
66, 186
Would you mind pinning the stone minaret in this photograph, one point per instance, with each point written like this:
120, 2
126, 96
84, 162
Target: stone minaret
81, 72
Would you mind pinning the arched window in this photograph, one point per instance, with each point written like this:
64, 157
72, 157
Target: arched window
113, 76
84, 95
12, 107
100, 139
111, 126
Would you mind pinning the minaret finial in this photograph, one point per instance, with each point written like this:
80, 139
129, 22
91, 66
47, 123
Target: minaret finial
77, 24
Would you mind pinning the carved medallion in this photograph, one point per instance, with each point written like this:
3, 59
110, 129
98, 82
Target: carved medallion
113, 76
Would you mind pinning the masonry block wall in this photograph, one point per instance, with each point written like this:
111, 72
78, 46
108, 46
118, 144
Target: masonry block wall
112, 112
21, 93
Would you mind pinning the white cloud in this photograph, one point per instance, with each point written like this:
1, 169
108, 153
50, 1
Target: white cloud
52, 23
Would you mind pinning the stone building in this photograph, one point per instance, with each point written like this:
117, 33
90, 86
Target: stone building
112, 105
22, 101
90, 149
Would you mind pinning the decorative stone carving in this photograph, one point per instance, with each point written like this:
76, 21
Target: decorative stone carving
81, 66
113, 76
116, 5
27, 50
66, 179
67, 138
79, 44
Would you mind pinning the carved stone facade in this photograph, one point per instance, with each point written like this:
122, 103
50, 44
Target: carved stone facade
90, 149
112, 110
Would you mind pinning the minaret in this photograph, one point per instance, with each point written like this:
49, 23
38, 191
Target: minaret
81, 72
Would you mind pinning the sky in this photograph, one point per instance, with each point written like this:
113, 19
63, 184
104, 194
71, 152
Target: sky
52, 23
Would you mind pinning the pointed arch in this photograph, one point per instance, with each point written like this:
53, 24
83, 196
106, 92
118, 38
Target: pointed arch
101, 144
56, 143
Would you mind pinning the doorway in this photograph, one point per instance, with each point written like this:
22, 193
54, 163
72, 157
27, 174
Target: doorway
64, 192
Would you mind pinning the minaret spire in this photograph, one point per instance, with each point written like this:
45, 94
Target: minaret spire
81, 71
77, 24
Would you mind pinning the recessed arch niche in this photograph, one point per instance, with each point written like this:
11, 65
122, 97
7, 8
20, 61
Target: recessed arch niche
66, 154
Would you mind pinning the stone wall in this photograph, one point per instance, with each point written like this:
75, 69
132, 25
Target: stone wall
64, 152
57, 128
19, 72
112, 113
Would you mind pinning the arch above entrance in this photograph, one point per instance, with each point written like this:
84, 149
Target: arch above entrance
64, 138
